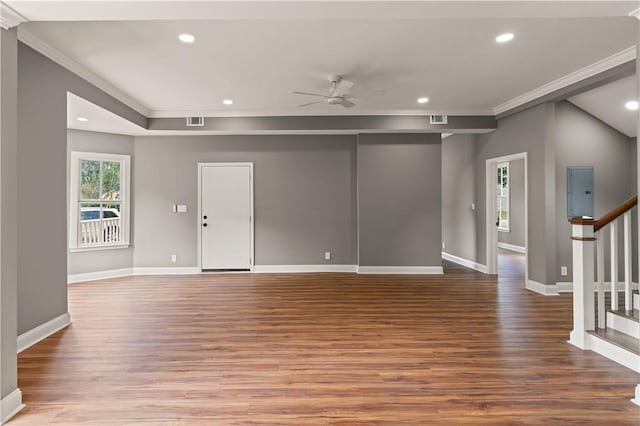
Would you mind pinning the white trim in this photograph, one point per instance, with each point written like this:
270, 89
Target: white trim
636, 300
99, 275
9, 18
41, 332
465, 262
615, 353
636, 400
635, 13
300, 113
623, 324
601, 66
545, 290
512, 247
11, 405
99, 248
80, 70
284, 269
567, 287
181, 270
252, 250
408, 270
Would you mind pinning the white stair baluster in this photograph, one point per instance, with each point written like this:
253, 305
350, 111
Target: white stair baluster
627, 260
613, 229
600, 266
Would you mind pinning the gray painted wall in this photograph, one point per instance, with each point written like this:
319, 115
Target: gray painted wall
305, 196
458, 174
529, 131
8, 209
583, 140
42, 146
99, 260
399, 200
515, 236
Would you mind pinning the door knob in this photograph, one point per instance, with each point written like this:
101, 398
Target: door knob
204, 224
204, 217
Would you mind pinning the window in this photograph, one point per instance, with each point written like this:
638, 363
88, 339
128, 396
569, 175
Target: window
502, 211
99, 197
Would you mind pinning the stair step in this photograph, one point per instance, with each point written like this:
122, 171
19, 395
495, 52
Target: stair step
619, 339
624, 322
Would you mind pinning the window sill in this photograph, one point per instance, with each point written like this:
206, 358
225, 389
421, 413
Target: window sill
97, 248
503, 230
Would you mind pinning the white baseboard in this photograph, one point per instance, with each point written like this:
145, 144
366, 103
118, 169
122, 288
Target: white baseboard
100, 275
10, 405
567, 287
512, 247
546, 290
180, 270
623, 325
41, 332
284, 269
408, 270
465, 262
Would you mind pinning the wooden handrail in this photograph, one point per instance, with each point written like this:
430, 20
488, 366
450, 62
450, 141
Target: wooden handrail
615, 213
609, 217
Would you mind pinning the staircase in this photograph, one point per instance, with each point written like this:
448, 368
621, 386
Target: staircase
606, 313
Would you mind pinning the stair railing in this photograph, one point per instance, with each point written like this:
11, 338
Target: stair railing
587, 233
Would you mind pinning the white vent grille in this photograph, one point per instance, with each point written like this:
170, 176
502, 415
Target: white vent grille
195, 121
438, 119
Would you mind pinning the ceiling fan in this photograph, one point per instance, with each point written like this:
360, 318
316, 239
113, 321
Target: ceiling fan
337, 93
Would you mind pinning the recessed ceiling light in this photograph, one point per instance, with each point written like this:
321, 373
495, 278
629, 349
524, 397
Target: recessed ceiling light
632, 105
503, 38
423, 100
186, 38
83, 119
228, 102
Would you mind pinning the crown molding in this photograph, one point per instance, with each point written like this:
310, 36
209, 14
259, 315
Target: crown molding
306, 113
603, 65
635, 13
9, 18
80, 70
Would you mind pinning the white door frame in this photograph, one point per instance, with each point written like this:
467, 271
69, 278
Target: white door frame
490, 203
199, 213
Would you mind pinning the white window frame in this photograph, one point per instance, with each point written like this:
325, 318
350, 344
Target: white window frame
501, 196
74, 183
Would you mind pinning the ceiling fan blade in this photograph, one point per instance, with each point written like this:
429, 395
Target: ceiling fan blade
311, 103
342, 88
347, 103
310, 94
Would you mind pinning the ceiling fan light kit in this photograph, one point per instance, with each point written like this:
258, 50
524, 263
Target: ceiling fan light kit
338, 93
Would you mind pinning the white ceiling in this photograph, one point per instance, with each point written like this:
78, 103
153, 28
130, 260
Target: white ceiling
608, 104
257, 62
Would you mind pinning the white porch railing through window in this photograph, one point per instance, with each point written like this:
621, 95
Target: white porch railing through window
97, 232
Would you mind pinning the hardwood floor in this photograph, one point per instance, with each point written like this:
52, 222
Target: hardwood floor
319, 349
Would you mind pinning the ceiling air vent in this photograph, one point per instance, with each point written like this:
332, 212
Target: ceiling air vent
438, 119
195, 121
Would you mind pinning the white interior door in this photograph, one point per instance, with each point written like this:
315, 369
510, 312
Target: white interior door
226, 210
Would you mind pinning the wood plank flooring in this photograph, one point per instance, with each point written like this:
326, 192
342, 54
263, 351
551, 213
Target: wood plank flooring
320, 349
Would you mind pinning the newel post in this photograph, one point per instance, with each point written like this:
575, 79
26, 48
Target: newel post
583, 287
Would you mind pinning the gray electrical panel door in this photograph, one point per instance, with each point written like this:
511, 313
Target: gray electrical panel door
579, 191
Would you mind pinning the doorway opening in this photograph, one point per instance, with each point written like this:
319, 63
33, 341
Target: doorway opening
507, 219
